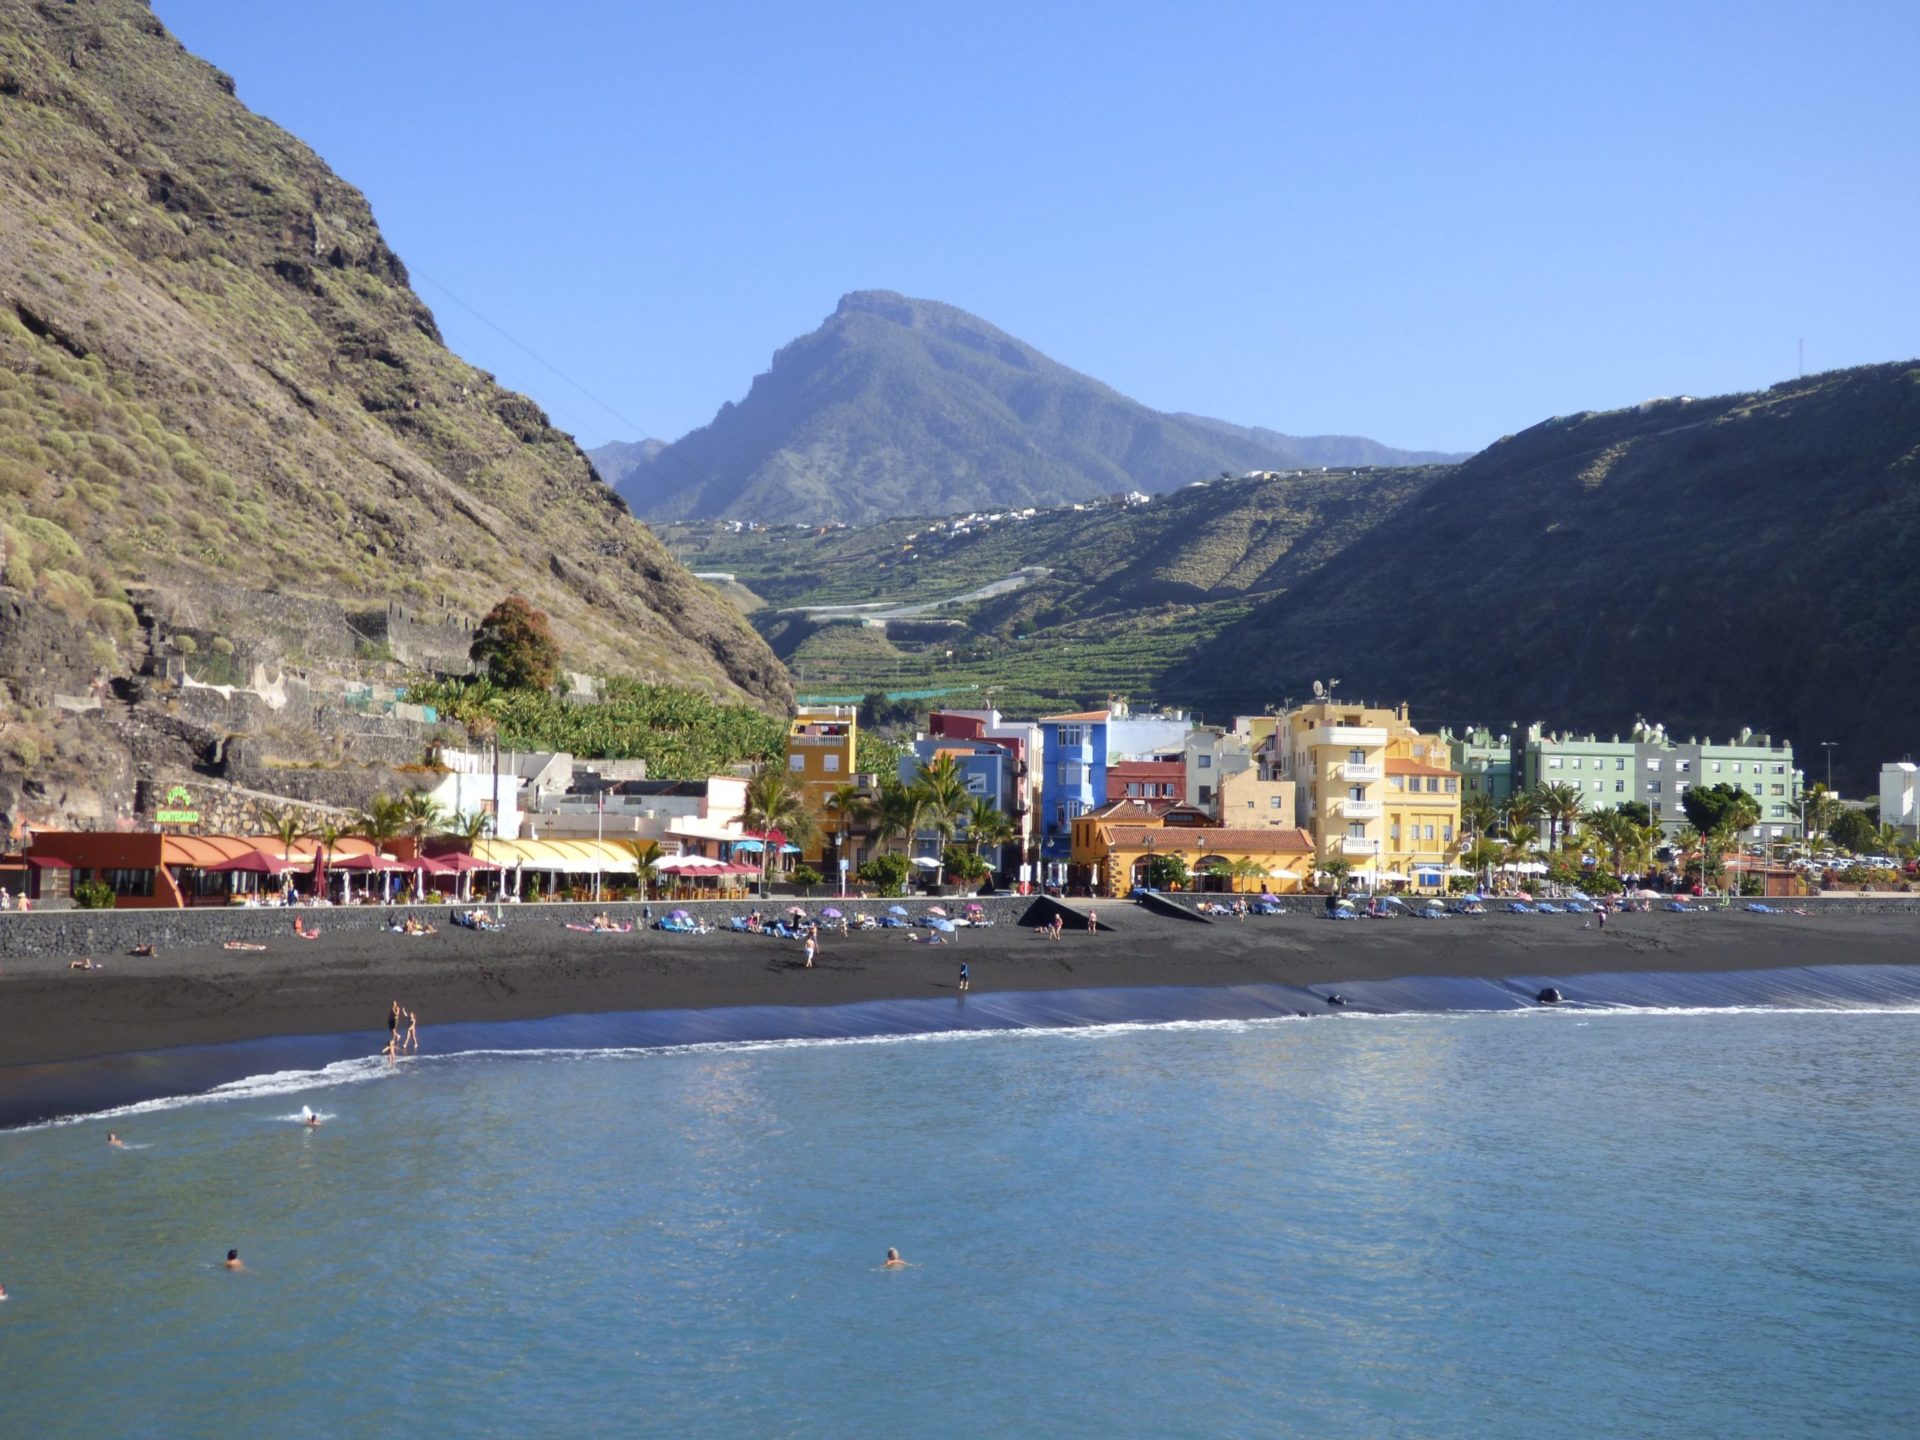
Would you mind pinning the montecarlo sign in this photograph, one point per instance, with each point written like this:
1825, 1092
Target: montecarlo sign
177, 808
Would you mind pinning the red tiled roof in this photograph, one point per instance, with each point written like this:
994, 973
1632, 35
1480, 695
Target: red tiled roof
1082, 717
1122, 810
1414, 767
1219, 842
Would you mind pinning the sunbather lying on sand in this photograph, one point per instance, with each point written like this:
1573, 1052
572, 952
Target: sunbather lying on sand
242, 945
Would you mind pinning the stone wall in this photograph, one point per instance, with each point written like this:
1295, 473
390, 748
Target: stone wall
103, 933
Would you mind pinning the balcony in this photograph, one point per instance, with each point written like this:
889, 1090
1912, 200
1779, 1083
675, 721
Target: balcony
1347, 770
836, 741
1351, 846
1361, 737
1357, 809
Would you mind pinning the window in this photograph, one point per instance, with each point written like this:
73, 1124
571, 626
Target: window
976, 784
1133, 788
1206, 794
1453, 786
1206, 762
1429, 833
1356, 757
1779, 790
1446, 832
1779, 812
1621, 763
1653, 787
1653, 764
1394, 782
128, 882
1393, 832
796, 761
1356, 792
1619, 787
832, 763
1575, 764
1654, 806
1077, 735
1716, 767
1433, 784
1736, 767
1779, 769
1682, 766
1679, 787
1356, 831
1273, 802
1600, 785
1553, 762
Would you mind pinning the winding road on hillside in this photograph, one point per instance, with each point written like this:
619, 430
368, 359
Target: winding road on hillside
878, 612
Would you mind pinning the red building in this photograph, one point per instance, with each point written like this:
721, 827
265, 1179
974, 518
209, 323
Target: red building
1147, 781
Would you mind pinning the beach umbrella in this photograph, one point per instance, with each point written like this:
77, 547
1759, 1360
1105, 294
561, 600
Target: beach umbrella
945, 927
936, 910
830, 914
254, 862
896, 909
679, 915
370, 862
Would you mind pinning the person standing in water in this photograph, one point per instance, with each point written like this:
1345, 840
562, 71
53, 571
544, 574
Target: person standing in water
393, 1028
412, 1042
233, 1260
893, 1261
115, 1141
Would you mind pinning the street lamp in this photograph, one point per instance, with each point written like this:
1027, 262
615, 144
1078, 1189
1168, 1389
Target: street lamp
1828, 746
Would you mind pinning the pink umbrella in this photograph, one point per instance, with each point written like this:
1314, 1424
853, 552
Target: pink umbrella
381, 863
254, 862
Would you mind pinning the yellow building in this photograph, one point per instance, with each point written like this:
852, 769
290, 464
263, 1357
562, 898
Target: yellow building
1371, 790
1113, 846
822, 741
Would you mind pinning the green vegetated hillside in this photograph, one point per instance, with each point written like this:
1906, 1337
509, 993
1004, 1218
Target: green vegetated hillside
214, 378
1108, 596
1744, 560
897, 406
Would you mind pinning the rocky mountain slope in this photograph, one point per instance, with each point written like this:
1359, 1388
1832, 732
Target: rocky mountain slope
221, 402
1743, 560
897, 406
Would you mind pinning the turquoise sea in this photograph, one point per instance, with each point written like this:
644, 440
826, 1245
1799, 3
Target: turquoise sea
1682, 1220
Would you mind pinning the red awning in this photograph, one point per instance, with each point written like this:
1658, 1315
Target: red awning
49, 862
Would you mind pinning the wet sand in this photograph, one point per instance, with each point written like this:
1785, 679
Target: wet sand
344, 981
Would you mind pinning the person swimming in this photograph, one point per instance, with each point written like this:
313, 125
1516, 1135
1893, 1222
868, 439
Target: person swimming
312, 1118
893, 1261
115, 1141
233, 1260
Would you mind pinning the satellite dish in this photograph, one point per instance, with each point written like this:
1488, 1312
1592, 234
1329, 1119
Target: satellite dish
1319, 691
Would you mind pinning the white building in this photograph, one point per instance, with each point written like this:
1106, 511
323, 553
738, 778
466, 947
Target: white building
1900, 796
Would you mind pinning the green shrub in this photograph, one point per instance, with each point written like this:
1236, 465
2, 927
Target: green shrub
806, 877
93, 895
886, 873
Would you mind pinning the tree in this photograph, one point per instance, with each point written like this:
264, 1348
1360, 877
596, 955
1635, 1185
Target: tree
646, 862
966, 865
1822, 806
850, 806
897, 814
1523, 808
986, 827
382, 820
1483, 855
1852, 830
1561, 804
1635, 810
806, 877
1247, 868
1478, 814
1167, 872
944, 801
775, 803
1337, 869
420, 816
516, 645
1717, 807
887, 873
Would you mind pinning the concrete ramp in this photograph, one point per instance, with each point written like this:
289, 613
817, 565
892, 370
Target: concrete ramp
1163, 904
1073, 913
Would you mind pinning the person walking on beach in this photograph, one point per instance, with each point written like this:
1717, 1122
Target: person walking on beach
412, 1042
812, 947
1093, 921
963, 975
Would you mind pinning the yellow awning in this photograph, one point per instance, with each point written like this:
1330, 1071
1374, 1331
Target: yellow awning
565, 857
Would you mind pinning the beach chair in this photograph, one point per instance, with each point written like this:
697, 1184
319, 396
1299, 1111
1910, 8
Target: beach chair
1547, 907
893, 922
1519, 907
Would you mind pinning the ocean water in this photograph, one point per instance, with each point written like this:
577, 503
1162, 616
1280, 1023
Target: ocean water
1500, 1222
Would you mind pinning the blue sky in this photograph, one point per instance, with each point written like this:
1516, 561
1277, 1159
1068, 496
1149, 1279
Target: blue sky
1431, 224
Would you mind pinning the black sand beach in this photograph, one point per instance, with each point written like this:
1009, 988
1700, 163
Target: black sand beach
345, 980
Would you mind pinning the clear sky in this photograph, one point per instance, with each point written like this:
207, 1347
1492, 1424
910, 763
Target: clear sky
1430, 223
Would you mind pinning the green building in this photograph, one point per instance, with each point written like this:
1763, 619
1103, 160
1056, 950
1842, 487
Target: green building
1653, 768
1484, 760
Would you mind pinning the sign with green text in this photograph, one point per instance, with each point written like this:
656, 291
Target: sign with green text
175, 810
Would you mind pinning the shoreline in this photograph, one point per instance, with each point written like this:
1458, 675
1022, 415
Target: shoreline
342, 983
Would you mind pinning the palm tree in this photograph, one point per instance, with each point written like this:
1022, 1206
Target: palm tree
1561, 804
1483, 855
327, 833
851, 806
1478, 814
986, 826
381, 821
419, 815
775, 802
897, 813
1523, 808
1615, 831
1247, 868
646, 862
471, 828
944, 801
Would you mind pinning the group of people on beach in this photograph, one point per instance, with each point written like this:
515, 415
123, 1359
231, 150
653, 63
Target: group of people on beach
403, 1030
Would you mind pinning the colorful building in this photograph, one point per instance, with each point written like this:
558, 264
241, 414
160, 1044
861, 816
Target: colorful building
822, 742
1484, 760
1113, 847
1146, 780
1073, 780
1372, 791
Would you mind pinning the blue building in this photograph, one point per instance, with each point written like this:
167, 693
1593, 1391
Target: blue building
1073, 778
990, 772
